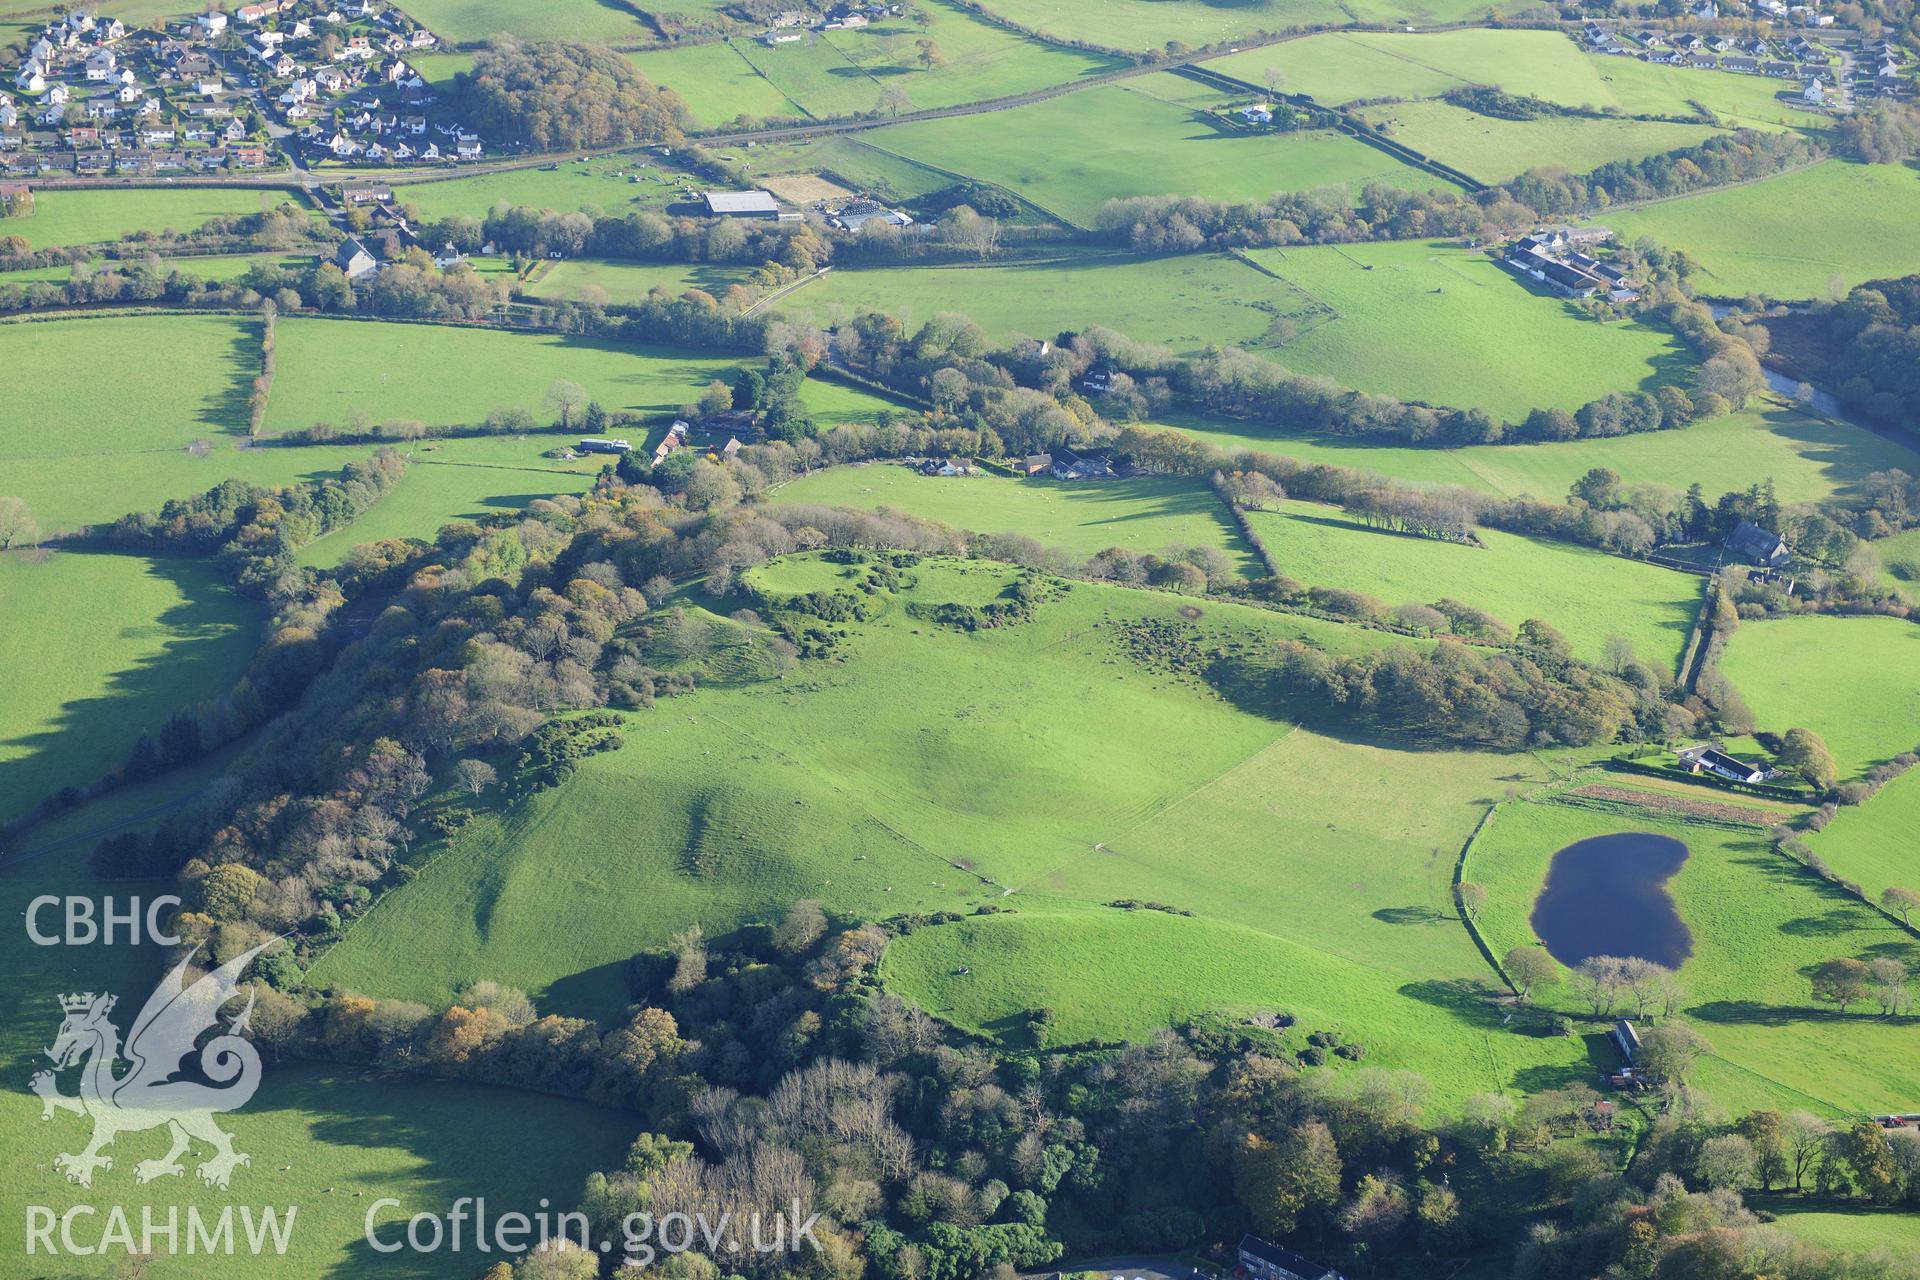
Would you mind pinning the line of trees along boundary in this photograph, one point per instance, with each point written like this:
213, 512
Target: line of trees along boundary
1466, 918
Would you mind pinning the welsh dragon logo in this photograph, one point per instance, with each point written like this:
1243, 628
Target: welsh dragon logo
148, 1095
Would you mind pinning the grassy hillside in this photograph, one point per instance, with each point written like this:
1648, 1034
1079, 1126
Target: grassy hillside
1753, 239
102, 647
1807, 458
1855, 681
1436, 323
982, 761
1145, 514
1586, 594
1758, 922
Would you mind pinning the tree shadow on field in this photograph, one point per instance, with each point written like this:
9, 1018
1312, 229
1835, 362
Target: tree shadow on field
1413, 915
198, 646
1467, 999
226, 407
1752, 1013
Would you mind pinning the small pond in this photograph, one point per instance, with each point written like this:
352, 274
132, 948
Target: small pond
1607, 896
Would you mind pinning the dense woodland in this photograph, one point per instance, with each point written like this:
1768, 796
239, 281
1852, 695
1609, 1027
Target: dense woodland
559, 95
1866, 347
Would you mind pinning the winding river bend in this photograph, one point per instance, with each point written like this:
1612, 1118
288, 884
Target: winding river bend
1607, 896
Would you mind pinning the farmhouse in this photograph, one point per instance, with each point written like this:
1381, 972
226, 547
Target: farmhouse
741, 204
1036, 464
352, 258
1265, 1260
1710, 759
1086, 464
1758, 546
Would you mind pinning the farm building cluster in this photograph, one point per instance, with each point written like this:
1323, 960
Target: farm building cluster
1560, 261
792, 26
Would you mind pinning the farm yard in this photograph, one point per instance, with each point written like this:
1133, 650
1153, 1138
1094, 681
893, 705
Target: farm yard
860, 678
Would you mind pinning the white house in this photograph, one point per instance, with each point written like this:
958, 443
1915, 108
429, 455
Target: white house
211, 23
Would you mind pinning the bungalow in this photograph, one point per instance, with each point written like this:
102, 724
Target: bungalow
1710, 759
597, 445
252, 156
1758, 546
369, 195
1651, 39
1087, 464
773, 39
353, 259
1257, 113
423, 39
1265, 1260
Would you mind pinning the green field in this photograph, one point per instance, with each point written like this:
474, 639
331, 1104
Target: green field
1151, 24
1853, 1228
475, 20
615, 184
717, 82
846, 72
628, 282
223, 266
459, 480
1494, 150
91, 216
1872, 844
1185, 302
1753, 239
441, 375
1339, 67
1757, 921
1807, 457
1586, 594
1900, 562
1142, 515
1440, 324
324, 1141
1070, 155
101, 648
1855, 681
